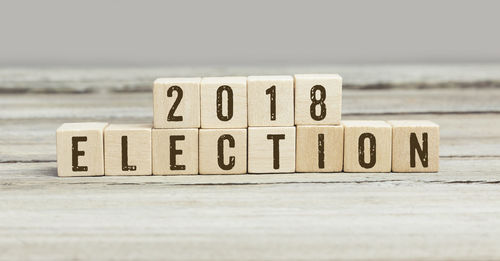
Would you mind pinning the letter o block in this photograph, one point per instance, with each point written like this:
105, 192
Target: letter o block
175, 151
271, 149
223, 151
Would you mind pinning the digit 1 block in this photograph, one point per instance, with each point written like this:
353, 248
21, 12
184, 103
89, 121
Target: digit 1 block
415, 146
367, 146
318, 99
270, 101
175, 151
223, 151
80, 149
176, 103
271, 149
127, 150
224, 102
320, 148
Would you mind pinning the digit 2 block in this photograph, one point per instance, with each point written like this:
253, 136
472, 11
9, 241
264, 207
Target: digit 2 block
176, 103
320, 148
318, 99
80, 149
223, 151
224, 102
271, 149
175, 151
270, 101
415, 146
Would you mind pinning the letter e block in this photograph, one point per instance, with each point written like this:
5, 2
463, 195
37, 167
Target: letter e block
271, 149
223, 151
175, 151
320, 148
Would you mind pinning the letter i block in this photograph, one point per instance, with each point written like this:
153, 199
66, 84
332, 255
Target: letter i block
127, 149
318, 99
320, 148
224, 102
175, 151
80, 149
367, 146
176, 103
271, 149
415, 146
223, 151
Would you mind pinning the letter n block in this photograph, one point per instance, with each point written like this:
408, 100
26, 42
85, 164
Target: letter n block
367, 146
80, 149
223, 151
175, 151
320, 148
415, 146
271, 149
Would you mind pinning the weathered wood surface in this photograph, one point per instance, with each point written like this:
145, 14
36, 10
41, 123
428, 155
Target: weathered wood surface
453, 214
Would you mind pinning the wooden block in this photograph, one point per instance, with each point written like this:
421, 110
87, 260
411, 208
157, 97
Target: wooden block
176, 103
271, 149
80, 149
367, 146
175, 151
127, 149
224, 102
320, 148
270, 101
318, 99
223, 151
415, 146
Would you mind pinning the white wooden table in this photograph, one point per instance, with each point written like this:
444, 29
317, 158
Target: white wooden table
453, 214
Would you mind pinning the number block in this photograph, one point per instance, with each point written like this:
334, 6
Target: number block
415, 146
367, 146
175, 151
270, 101
127, 149
271, 149
224, 102
176, 103
80, 149
318, 99
320, 148
223, 151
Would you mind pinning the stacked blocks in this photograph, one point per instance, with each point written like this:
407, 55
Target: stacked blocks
255, 124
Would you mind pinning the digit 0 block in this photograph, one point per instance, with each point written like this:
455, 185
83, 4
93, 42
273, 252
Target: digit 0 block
223, 151
80, 149
224, 102
270, 101
271, 149
320, 148
175, 151
367, 146
127, 149
176, 103
415, 146
318, 99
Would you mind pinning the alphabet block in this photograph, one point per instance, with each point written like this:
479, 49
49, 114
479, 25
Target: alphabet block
415, 146
176, 103
127, 149
224, 102
223, 151
270, 101
320, 148
318, 99
367, 146
80, 149
271, 149
175, 151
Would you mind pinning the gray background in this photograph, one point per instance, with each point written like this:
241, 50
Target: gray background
138, 33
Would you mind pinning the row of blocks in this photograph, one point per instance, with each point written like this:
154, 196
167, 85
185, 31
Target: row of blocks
96, 149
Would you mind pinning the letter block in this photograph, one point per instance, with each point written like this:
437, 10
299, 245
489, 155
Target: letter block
318, 99
175, 151
223, 151
224, 102
320, 148
415, 146
367, 146
127, 149
270, 101
271, 149
176, 103
80, 149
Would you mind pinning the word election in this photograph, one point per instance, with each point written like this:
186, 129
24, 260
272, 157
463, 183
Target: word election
255, 124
